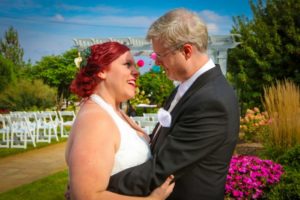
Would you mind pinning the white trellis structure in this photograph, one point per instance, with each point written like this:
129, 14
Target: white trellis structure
217, 49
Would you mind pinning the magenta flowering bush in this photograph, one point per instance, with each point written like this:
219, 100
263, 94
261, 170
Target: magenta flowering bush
249, 176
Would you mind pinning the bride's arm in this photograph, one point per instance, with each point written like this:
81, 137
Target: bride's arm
91, 155
95, 140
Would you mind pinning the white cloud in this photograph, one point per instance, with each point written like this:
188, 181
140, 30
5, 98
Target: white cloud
216, 24
213, 28
82, 20
211, 15
58, 17
135, 21
119, 21
98, 8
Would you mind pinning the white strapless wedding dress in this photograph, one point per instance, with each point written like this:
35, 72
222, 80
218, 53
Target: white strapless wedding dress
133, 149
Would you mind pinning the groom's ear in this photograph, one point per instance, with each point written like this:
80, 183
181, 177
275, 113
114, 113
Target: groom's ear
187, 50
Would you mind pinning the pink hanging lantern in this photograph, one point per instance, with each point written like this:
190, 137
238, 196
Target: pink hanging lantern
140, 63
153, 56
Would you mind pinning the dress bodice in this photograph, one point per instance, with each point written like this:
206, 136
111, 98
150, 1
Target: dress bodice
133, 149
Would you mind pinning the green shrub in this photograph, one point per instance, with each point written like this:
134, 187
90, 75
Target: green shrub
291, 158
289, 185
157, 86
139, 98
287, 188
270, 152
27, 95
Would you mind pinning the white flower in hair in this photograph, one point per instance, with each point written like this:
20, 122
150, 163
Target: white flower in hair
78, 60
81, 60
164, 117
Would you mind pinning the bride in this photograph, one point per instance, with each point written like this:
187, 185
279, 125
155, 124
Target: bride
103, 139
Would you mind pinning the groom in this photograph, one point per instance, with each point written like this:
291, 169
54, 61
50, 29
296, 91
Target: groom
196, 145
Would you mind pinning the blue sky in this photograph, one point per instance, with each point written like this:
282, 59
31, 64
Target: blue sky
48, 27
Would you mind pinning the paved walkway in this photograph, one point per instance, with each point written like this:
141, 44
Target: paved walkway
30, 166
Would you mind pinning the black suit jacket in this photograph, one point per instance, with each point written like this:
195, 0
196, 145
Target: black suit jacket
197, 147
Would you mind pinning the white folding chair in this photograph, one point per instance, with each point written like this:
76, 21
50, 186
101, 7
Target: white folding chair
55, 118
148, 126
67, 119
151, 116
4, 131
45, 128
17, 113
21, 132
139, 119
32, 120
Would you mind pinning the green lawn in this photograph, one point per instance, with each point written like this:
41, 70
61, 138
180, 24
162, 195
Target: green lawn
50, 188
12, 151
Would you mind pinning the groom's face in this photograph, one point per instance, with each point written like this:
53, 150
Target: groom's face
170, 59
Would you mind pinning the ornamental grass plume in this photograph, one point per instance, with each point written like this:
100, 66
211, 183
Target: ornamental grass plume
282, 102
249, 176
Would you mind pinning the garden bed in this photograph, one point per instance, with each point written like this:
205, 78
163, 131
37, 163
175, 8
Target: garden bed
248, 149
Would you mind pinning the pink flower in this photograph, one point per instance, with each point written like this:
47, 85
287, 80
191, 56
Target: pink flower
248, 176
236, 193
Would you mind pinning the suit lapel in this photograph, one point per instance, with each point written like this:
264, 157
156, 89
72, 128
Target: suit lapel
199, 83
175, 113
170, 99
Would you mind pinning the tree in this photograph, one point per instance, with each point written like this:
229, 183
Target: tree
57, 71
269, 49
7, 74
156, 86
27, 94
10, 48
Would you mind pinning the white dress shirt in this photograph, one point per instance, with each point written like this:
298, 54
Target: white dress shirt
185, 85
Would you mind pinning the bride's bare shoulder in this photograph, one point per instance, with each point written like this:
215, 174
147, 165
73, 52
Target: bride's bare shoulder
92, 116
90, 110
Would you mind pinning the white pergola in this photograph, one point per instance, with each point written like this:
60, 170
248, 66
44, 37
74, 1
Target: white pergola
217, 46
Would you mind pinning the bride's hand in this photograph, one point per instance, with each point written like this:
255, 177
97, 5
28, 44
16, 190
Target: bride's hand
163, 191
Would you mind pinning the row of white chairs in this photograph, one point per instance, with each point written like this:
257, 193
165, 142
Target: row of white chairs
148, 121
17, 129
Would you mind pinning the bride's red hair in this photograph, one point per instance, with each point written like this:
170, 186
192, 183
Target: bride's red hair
101, 56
